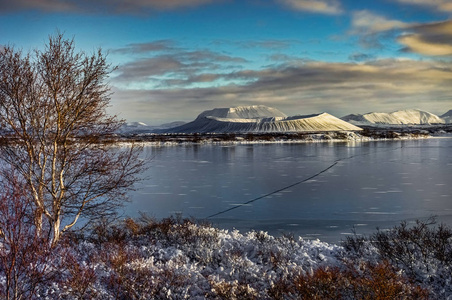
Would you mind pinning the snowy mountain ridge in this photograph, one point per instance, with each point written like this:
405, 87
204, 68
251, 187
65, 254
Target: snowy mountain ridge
258, 119
243, 112
400, 117
261, 119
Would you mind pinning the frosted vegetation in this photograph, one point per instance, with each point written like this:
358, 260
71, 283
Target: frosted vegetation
179, 259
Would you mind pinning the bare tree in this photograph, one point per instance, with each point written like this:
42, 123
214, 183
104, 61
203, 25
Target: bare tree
58, 134
26, 259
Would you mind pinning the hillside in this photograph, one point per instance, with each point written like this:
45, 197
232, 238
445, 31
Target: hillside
258, 119
447, 117
140, 127
401, 117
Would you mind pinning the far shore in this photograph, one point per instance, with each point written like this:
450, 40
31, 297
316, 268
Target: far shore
367, 135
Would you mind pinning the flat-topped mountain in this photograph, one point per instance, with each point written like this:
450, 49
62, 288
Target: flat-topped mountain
258, 119
401, 117
244, 112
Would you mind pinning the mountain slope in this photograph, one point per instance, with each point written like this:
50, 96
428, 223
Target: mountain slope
447, 117
140, 127
401, 117
260, 119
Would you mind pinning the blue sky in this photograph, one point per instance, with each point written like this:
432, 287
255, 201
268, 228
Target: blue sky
177, 58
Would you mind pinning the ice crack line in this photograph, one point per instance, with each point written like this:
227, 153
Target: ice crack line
274, 192
296, 183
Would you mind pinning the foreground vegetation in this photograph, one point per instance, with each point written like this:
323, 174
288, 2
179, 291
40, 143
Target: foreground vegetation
177, 258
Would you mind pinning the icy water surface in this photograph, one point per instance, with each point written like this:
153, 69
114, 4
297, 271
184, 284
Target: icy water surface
317, 190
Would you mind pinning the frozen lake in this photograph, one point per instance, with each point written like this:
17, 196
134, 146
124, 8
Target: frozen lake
316, 190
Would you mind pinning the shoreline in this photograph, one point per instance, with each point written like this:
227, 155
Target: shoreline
256, 139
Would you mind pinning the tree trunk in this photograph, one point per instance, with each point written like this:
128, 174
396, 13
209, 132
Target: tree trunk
56, 231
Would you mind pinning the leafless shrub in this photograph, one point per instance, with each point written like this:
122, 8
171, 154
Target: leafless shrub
80, 280
363, 281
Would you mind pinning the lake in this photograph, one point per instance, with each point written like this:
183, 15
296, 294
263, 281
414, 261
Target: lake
315, 190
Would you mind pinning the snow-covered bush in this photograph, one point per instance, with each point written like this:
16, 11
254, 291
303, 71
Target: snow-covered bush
178, 259
422, 251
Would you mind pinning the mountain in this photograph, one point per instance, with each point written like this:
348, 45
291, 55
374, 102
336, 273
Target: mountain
447, 117
260, 118
140, 127
401, 117
171, 125
244, 112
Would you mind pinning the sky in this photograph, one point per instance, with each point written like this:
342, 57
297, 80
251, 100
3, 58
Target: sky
177, 58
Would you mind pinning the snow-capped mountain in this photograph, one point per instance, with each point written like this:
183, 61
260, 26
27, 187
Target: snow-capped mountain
259, 118
401, 117
447, 117
244, 112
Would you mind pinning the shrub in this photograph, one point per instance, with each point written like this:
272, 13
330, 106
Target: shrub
365, 281
423, 251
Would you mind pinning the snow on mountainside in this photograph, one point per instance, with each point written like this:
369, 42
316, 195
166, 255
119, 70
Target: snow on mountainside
244, 112
260, 119
447, 117
401, 117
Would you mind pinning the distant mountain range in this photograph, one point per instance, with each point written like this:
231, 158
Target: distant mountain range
261, 119
400, 117
258, 119
140, 127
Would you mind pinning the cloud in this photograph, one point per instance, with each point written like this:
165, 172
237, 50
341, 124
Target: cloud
366, 22
361, 57
433, 39
440, 5
168, 65
373, 29
154, 46
330, 7
44, 5
103, 6
302, 88
268, 44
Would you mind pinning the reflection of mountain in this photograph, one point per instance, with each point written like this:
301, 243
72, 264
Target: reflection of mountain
259, 118
447, 117
401, 117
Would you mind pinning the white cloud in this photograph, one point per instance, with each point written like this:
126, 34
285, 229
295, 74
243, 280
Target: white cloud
440, 5
366, 22
433, 39
415, 43
104, 6
331, 7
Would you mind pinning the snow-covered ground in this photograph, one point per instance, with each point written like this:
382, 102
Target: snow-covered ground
182, 260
